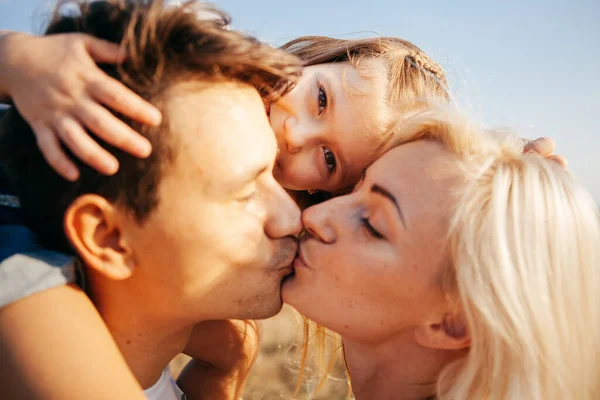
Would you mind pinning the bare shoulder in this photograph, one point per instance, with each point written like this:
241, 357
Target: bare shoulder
56, 345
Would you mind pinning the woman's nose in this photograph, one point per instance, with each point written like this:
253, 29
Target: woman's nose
317, 221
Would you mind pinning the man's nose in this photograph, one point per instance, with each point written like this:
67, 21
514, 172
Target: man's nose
284, 215
317, 222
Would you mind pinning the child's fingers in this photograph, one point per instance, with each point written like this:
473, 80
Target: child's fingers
543, 146
118, 97
53, 154
112, 130
85, 148
558, 159
103, 51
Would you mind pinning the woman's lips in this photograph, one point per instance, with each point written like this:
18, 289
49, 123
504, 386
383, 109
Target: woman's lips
300, 262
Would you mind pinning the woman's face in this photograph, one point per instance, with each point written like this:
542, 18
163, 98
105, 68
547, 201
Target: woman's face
370, 265
326, 126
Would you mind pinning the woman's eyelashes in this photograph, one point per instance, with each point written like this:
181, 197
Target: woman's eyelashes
321, 100
370, 229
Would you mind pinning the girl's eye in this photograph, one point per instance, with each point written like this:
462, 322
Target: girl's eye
372, 231
330, 162
322, 100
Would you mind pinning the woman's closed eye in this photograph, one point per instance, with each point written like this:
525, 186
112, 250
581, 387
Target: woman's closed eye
372, 231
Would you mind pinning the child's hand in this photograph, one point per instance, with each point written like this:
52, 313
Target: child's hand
57, 87
545, 147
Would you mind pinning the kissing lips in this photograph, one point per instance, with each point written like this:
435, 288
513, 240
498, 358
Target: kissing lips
300, 262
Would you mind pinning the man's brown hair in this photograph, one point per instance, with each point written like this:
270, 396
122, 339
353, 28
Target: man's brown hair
164, 45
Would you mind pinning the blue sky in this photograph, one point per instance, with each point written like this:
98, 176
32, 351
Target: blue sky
532, 65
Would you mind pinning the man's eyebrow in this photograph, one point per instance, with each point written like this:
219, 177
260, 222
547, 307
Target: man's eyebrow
385, 193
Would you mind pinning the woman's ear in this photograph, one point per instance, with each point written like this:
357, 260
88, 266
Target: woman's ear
450, 333
93, 226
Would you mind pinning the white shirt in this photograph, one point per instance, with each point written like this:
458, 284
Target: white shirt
165, 388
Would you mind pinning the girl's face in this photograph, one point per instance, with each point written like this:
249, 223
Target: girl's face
326, 127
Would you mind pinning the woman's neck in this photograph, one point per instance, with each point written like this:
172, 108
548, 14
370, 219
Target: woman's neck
396, 369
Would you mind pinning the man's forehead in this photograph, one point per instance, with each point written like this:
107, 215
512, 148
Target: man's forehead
222, 129
204, 97
213, 110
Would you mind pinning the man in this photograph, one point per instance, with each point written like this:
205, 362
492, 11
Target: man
198, 231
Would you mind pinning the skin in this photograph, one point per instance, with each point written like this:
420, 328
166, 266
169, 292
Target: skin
223, 361
369, 270
59, 106
29, 367
210, 198
80, 98
324, 126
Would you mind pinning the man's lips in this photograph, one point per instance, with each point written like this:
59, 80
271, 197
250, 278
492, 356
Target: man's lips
288, 269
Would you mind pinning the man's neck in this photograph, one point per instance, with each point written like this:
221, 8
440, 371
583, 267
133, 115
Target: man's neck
147, 341
396, 369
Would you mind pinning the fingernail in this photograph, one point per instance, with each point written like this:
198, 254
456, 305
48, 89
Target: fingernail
156, 117
144, 148
111, 167
72, 174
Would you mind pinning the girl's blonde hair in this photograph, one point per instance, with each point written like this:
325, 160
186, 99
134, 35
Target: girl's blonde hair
525, 242
411, 74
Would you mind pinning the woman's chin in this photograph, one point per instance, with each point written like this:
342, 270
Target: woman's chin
297, 294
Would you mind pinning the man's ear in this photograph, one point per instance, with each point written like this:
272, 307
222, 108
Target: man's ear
93, 225
450, 333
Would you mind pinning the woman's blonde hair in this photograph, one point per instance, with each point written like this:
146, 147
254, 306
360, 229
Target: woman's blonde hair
525, 245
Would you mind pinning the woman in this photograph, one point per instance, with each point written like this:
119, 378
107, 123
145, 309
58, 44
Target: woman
459, 268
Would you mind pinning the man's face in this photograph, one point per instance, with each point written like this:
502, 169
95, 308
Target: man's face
220, 241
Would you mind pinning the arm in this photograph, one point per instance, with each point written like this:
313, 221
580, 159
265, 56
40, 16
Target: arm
223, 353
60, 91
54, 345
